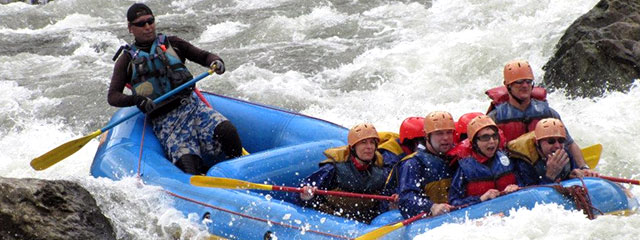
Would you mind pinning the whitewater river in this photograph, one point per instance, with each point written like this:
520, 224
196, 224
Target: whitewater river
346, 61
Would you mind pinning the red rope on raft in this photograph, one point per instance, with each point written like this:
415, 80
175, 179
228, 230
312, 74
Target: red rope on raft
256, 218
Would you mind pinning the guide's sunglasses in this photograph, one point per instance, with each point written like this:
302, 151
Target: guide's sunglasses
150, 21
552, 141
521, 81
486, 137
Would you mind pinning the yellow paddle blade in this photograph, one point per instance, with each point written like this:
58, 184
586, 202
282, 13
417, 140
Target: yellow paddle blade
591, 155
244, 152
61, 152
378, 233
227, 183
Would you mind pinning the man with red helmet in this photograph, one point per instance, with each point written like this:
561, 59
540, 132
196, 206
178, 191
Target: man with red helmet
411, 137
424, 176
542, 156
521, 112
358, 168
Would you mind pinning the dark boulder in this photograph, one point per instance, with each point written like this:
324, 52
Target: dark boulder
598, 52
41, 209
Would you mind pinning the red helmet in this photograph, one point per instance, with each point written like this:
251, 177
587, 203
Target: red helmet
461, 125
412, 127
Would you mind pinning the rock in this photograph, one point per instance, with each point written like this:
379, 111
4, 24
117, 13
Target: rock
41, 209
598, 52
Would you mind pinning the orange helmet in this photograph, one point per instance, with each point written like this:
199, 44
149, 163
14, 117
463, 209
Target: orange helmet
461, 124
438, 120
477, 124
412, 127
516, 70
550, 127
360, 132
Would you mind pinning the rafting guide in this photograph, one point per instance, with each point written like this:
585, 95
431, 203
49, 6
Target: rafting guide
194, 136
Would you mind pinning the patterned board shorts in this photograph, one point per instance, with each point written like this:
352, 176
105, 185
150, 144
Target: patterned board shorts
189, 129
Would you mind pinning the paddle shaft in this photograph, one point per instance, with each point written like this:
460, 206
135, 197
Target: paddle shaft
159, 99
621, 180
426, 214
335, 193
380, 232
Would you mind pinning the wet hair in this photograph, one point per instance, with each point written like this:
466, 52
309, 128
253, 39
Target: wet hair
136, 10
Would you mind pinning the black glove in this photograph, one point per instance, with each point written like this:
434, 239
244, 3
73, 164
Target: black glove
217, 66
143, 103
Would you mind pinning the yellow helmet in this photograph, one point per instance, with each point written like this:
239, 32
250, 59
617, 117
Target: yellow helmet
360, 132
477, 124
516, 70
550, 127
438, 120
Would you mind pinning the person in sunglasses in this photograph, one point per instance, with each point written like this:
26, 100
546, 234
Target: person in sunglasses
520, 113
542, 156
487, 172
194, 136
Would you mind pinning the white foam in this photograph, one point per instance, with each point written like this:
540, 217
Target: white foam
542, 222
221, 31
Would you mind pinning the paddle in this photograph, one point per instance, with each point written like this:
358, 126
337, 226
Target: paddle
591, 155
621, 180
228, 183
378, 233
63, 151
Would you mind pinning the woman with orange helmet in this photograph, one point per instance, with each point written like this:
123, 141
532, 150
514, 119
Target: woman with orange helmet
357, 168
487, 172
424, 176
542, 156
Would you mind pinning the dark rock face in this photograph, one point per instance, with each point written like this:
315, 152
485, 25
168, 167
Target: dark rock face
598, 52
41, 209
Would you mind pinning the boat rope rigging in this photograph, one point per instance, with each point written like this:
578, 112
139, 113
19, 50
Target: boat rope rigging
257, 218
144, 127
580, 197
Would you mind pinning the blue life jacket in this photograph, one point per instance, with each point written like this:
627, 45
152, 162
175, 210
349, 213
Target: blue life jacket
158, 71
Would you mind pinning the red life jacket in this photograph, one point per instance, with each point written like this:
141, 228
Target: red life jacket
480, 179
460, 151
500, 95
480, 187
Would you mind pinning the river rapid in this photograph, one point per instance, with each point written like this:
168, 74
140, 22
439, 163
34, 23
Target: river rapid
346, 61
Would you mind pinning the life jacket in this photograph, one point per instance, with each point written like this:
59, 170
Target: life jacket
524, 148
158, 71
390, 148
500, 95
514, 122
460, 151
349, 179
497, 173
437, 187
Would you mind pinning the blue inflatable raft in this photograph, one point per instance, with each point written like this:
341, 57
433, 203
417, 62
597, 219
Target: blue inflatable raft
285, 147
